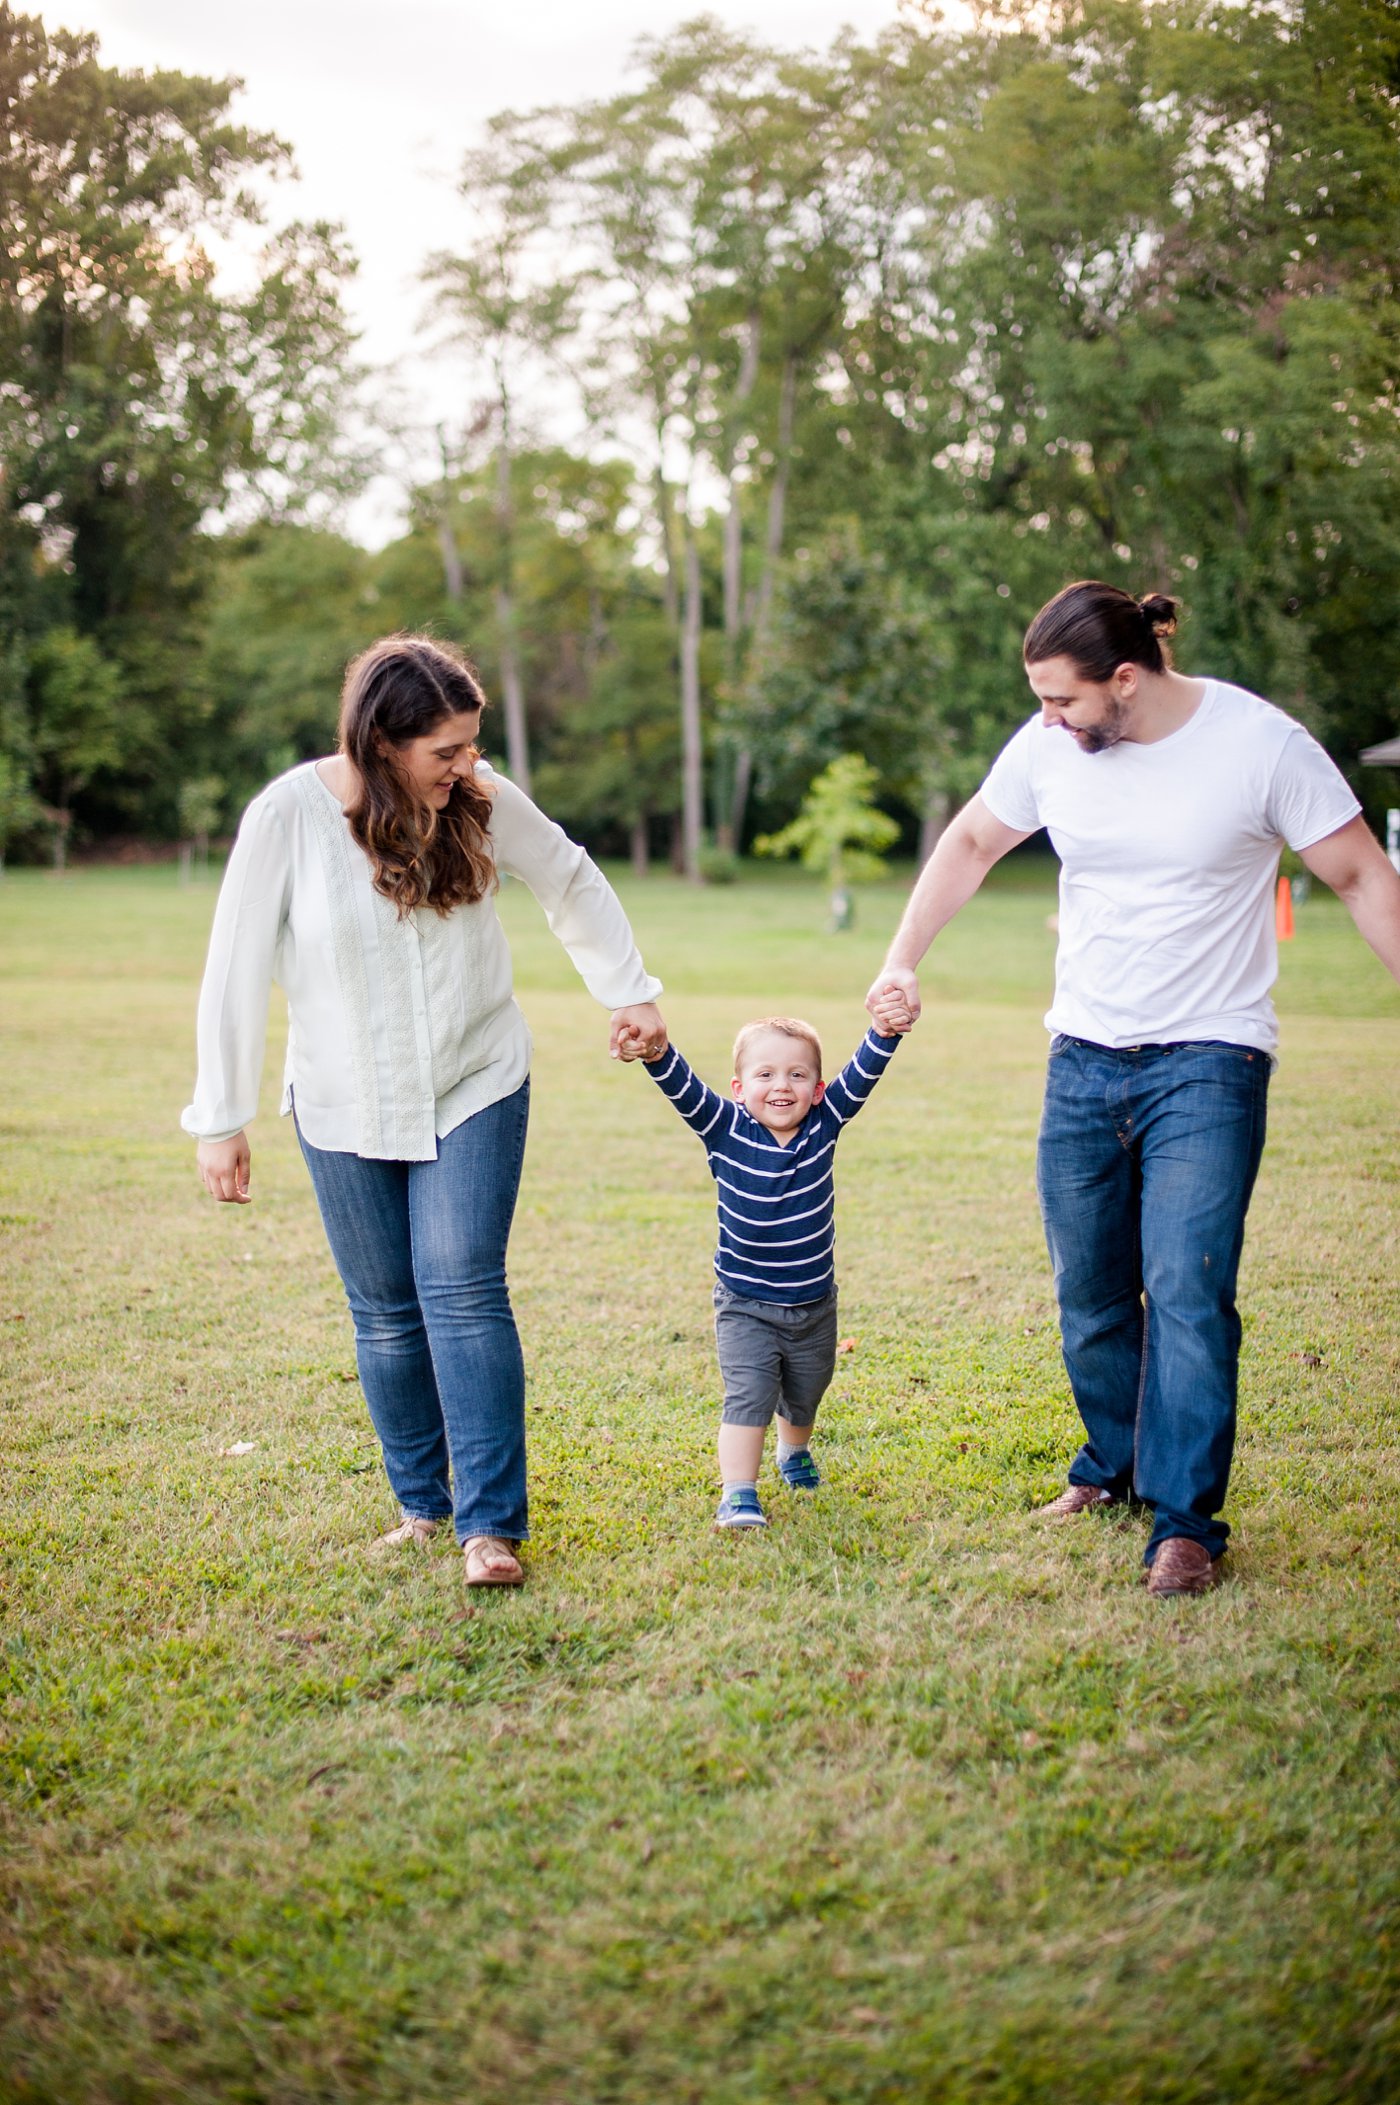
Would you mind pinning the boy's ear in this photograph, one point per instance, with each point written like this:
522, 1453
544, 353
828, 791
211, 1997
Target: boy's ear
819, 1092
738, 1088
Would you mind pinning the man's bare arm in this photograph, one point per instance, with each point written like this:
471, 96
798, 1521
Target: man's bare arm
972, 843
1353, 862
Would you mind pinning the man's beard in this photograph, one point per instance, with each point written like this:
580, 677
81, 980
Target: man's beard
1097, 738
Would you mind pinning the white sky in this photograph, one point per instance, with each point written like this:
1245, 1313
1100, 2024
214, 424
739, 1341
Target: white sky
379, 98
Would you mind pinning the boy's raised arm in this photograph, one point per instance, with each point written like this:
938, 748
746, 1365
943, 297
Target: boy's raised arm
847, 1091
677, 1080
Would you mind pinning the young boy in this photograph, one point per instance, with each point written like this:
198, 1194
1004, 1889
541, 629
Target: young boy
770, 1153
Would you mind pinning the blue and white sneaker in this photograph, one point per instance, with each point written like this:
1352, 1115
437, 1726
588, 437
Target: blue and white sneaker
798, 1471
740, 1509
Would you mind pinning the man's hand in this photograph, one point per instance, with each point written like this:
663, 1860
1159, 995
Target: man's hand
638, 1032
891, 1010
895, 996
224, 1168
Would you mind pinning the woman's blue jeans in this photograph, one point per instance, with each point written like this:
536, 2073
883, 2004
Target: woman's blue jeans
1146, 1163
421, 1251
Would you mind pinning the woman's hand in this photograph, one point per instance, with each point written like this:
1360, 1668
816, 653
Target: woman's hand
638, 1032
224, 1168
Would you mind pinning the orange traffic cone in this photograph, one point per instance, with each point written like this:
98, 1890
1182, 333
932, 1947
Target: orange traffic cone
1283, 911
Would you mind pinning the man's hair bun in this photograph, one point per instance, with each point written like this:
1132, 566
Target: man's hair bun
1160, 611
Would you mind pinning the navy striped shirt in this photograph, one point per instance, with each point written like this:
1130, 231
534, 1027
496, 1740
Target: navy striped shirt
776, 1204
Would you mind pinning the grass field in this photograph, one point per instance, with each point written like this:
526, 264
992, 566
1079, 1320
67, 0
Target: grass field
910, 1799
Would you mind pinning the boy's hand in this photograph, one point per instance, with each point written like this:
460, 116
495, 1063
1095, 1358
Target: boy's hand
894, 1002
638, 1033
891, 1009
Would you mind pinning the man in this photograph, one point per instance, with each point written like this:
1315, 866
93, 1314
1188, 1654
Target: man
1167, 800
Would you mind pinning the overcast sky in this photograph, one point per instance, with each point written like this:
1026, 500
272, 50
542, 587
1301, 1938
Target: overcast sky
380, 97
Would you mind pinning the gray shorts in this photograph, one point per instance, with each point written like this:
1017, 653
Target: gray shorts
773, 1358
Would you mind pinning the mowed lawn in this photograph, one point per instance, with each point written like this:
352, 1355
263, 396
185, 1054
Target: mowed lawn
912, 1798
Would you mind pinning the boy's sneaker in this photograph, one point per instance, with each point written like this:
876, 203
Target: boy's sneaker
798, 1471
740, 1509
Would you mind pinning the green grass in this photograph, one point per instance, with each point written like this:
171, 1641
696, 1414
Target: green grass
911, 1799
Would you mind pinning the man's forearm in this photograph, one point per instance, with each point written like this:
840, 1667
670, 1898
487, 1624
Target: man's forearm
946, 883
1374, 905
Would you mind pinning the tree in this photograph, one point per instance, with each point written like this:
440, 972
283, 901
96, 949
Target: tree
137, 399
838, 830
506, 309
76, 724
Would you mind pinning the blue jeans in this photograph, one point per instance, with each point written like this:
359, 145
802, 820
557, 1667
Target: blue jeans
421, 1251
1146, 1163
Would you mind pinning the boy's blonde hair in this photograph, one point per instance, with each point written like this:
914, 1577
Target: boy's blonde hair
788, 1026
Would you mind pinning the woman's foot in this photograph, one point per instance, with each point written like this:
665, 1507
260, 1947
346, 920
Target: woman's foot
491, 1561
412, 1529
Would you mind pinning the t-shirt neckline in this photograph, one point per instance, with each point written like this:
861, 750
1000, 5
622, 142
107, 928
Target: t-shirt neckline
1157, 745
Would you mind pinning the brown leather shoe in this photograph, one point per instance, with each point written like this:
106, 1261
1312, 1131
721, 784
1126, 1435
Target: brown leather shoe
1079, 1498
1182, 1566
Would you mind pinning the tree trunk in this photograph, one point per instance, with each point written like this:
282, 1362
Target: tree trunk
454, 581
733, 520
729, 803
641, 846
777, 504
772, 550
935, 822
692, 782
453, 577
665, 519
512, 693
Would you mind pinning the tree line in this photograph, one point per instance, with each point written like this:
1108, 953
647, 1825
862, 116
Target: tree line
873, 349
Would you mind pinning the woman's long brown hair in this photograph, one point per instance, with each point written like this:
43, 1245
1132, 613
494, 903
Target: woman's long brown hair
400, 689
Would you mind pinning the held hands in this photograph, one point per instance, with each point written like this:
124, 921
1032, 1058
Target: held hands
638, 1033
894, 1002
224, 1167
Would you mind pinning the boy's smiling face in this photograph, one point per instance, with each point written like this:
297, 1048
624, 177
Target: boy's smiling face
779, 1082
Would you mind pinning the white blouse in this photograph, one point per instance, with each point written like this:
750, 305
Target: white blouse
400, 1028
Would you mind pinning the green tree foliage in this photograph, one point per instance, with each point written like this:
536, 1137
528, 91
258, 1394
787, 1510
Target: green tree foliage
76, 724
872, 350
137, 399
288, 606
838, 830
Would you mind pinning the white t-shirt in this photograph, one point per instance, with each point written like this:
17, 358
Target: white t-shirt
1168, 857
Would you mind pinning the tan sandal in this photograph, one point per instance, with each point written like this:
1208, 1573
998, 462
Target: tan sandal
491, 1561
412, 1529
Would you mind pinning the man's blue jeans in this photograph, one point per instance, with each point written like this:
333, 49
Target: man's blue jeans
1146, 1163
421, 1251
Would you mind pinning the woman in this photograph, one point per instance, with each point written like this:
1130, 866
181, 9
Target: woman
363, 884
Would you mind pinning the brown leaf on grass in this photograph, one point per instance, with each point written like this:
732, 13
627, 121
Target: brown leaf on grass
846, 1345
1308, 1359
